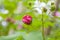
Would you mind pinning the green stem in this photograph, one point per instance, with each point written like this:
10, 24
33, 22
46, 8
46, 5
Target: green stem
43, 35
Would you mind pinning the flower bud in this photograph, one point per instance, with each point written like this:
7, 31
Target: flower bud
27, 19
57, 14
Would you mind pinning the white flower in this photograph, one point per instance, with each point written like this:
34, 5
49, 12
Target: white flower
36, 3
1, 18
49, 3
48, 11
4, 23
42, 4
4, 11
38, 10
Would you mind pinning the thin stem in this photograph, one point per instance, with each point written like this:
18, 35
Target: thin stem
57, 4
43, 27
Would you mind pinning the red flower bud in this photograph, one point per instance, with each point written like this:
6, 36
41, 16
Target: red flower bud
27, 19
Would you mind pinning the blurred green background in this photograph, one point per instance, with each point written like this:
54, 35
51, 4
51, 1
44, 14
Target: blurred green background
41, 11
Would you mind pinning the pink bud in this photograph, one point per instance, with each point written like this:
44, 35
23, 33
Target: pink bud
27, 19
57, 14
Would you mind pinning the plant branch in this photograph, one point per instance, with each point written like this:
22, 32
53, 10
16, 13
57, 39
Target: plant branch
43, 27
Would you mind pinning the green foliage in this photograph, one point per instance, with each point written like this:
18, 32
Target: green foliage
55, 35
20, 38
34, 35
28, 3
44, 1
11, 6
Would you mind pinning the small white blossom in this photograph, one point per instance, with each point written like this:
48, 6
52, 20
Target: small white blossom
36, 3
38, 10
4, 11
4, 23
42, 4
48, 11
49, 3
